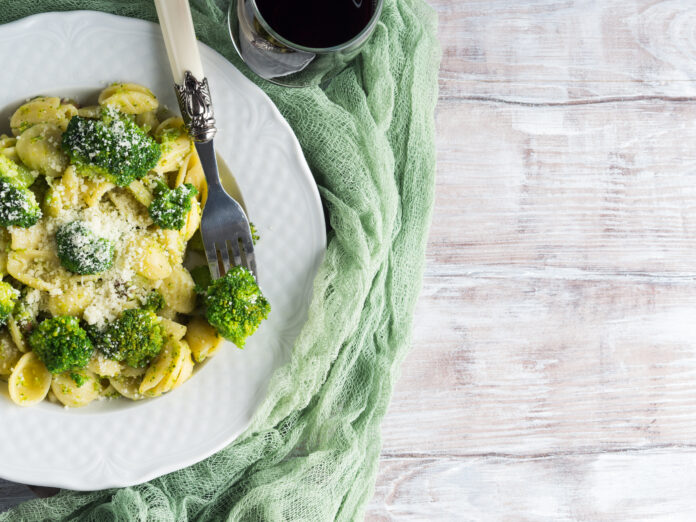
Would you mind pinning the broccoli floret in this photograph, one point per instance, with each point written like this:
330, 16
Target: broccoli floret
8, 299
78, 378
113, 147
170, 134
18, 205
61, 344
135, 338
170, 207
25, 313
81, 252
12, 170
201, 278
254, 233
235, 305
167, 139
154, 302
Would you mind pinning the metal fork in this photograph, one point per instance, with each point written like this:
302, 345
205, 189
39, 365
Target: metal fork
224, 225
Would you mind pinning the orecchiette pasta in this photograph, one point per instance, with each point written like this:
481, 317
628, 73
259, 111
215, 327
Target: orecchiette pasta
202, 338
173, 244
34, 268
129, 207
178, 290
176, 145
73, 299
98, 255
186, 368
8, 147
162, 375
91, 111
29, 381
66, 193
193, 221
74, 394
150, 260
26, 238
9, 354
191, 171
42, 110
103, 366
16, 334
141, 193
94, 190
173, 329
147, 120
39, 149
127, 386
129, 98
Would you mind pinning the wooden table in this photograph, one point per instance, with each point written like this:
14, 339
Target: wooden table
553, 373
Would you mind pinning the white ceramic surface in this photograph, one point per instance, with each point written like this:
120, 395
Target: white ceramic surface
121, 443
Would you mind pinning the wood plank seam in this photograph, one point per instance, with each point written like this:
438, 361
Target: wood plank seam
569, 103
424, 455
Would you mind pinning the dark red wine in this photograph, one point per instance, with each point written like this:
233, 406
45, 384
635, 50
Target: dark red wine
317, 23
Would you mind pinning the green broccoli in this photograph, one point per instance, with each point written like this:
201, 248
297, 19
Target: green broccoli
235, 306
170, 134
135, 338
254, 233
170, 207
78, 378
25, 313
113, 147
8, 299
167, 139
61, 344
154, 302
18, 205
81, 252
12, 170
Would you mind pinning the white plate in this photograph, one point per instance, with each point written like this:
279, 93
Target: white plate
121, 443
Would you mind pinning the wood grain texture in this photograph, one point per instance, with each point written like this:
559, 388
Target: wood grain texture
533, 364
600, 187
552, 375
654, 485
559, 51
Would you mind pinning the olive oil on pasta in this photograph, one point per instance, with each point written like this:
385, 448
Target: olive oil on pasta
317, 23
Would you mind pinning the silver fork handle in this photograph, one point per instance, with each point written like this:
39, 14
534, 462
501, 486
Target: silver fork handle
190, 84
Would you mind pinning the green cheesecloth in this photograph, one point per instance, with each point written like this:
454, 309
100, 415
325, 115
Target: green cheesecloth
312, 450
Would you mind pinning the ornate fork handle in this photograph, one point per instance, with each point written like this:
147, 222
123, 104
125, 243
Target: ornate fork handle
196, 107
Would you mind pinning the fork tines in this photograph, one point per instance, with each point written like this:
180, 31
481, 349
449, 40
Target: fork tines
236, 251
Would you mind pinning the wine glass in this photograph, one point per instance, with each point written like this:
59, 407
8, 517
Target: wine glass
277, 59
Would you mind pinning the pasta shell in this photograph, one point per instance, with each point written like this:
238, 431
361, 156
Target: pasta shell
29, 381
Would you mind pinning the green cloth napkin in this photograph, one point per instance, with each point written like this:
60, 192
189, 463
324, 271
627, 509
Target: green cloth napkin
312, 450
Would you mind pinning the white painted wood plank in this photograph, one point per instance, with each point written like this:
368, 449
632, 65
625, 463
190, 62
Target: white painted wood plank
531, 363
655, 485
557, 314
607, 188
558, 51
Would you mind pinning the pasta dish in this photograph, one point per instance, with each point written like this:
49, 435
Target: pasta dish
104, 291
